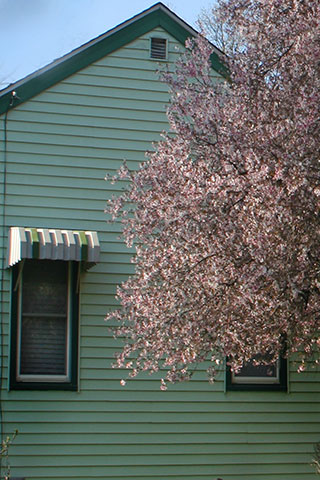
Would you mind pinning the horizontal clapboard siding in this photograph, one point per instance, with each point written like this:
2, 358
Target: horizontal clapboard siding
61, 144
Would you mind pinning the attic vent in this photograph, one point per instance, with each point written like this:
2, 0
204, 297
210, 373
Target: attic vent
158, 48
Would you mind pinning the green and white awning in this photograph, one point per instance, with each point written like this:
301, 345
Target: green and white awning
52, 244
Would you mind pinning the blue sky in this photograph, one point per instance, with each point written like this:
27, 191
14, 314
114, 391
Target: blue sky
35, 32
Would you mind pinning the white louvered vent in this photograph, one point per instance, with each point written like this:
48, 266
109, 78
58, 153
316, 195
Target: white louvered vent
158, 49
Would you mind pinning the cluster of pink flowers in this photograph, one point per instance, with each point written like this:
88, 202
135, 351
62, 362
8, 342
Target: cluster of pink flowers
226, 212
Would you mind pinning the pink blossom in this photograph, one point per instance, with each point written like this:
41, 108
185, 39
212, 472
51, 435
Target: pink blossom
225, 213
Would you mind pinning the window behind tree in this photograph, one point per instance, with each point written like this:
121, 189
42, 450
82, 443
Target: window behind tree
253, 376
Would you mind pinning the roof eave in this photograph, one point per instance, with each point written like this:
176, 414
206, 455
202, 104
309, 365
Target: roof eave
56, 71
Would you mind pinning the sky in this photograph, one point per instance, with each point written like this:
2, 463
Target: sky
33, 33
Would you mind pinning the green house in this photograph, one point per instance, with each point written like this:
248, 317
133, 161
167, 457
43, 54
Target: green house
62, 129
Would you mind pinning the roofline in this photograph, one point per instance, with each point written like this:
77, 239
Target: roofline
47, 76
95, 40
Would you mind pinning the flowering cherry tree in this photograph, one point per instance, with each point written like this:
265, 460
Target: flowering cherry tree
218, 32
226, 212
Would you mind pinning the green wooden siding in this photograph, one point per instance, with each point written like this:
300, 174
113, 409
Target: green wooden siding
61, 143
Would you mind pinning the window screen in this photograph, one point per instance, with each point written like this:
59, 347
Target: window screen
44, 318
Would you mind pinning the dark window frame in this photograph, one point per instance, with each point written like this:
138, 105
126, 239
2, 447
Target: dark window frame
280, 386
42, 384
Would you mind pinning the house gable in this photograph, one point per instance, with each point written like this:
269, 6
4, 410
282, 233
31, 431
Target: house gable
156, 16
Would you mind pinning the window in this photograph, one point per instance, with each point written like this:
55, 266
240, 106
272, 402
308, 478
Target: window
44, 330
259, 377
46, 264
158, 48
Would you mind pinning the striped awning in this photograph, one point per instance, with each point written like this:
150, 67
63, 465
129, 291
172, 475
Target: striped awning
52, 244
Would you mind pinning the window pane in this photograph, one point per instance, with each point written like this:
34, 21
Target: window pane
43, 346
251, 370
45, 287
44, 318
